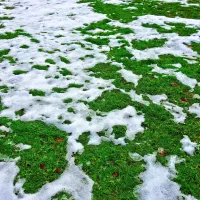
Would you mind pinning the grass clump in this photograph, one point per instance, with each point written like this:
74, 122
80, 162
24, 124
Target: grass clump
50, 61
41, 67
98, 41
24, 46
37, 92
59, 90
11, 35
110, 100
64, 60
145, 44
65, 72
179, 28
19, 72
108, 71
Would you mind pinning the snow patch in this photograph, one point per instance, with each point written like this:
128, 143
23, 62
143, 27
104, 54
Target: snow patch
187, 145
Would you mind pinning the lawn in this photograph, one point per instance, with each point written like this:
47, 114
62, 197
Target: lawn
100, 100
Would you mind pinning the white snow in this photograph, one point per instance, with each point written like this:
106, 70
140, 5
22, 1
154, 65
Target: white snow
130, 77
136, 156
22, 146
46, 19
8, 171
195, 109
176, 111
187, 145
5, 129
158, 181
191, 82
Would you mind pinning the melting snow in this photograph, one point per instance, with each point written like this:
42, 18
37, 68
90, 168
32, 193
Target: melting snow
188, 146
158, 181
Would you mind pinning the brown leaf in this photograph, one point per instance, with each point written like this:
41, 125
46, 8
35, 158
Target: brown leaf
59, 139
175, 84
58, 170
185, 100
42, 166
115, 174
162, 152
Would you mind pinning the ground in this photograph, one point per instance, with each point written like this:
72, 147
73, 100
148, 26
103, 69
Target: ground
100, 99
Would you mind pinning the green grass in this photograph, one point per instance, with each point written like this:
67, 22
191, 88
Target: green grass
41, 67
50, 61
143, 7
110, 100
107, 72
98, 41
44, 161
37, 92
11, 35
19, 72
65, 72
59, 90
64, 60
114, 173
179, 28
6, 18
24, 46
105, 26
145, 44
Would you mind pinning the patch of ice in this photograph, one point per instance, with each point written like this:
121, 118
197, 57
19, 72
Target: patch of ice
187, 145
